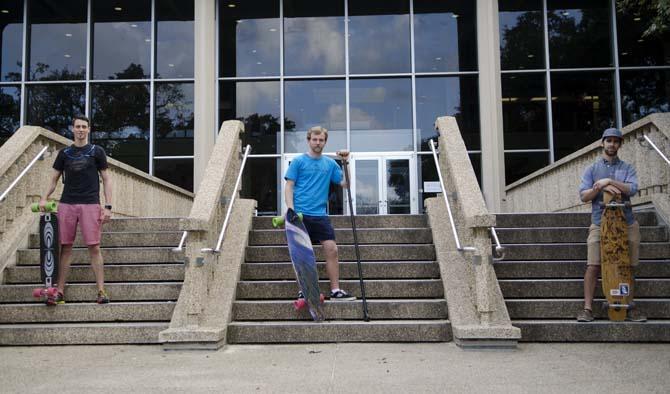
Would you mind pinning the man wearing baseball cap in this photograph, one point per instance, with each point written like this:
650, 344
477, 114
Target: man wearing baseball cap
608, 173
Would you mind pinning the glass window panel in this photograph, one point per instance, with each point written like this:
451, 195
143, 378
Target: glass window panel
311, 103
11, 39
524, 106
57, 34
174, 38
445, 35
579, 33
257, 105
176, 171
336, 197
379, 36
121, 39
428, 173
397, 186
520, 164
10, 108
119, 125
381, 114
637, 49
452, 96
249, 38
521, 34
583, 106
174, 119
644, 92
367, 187
260, 182
476, 161
53, 106
313, 37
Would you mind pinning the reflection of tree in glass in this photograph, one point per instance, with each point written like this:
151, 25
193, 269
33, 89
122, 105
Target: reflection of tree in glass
645, 93
398, 187
519, 43
9, 121
582, 38
52, 106
174, 117
41, 72
659, 11
14, 75
261, 131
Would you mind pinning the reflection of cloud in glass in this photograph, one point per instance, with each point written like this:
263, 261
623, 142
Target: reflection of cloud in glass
11, 51
379, 43
175, 46
257, 46
117, 45
314, 45
257, 98
49, 45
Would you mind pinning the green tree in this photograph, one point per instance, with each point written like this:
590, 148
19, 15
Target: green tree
659, 10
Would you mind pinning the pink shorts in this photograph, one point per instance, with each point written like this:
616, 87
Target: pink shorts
87, 215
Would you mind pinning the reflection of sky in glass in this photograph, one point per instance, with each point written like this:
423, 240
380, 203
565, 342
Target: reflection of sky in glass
314, 46
381, 114
117, 45
379, 44
257, 47
256, 98
174, 52
312, 103
436, 42
367, 187
61, 47
12, 36
508, 21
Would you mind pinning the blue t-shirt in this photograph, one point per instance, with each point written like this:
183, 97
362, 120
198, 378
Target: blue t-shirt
618, 170
312, 179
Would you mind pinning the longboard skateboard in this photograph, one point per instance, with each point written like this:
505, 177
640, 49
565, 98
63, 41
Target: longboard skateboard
49, 252
304, 263
617, 279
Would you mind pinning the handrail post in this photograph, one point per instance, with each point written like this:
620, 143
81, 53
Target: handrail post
25, 170
217, 249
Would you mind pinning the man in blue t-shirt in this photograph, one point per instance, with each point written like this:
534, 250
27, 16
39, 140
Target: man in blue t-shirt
308, 180
608, 173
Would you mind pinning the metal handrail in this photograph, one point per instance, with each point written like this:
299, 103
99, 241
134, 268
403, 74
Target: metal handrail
653, 146
217, 249
500, 251
25, 170
446, 200
180, 247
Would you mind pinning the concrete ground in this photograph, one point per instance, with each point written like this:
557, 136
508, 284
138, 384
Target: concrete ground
338, 368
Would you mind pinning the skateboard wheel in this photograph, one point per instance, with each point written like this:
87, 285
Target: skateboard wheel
48, 207
277, 221
299, 304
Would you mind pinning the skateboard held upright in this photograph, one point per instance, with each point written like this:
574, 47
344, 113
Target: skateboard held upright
49, 252
304, 263
617, 278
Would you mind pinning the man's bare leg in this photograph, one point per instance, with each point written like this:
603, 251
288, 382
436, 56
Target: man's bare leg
590, 282
97, 265
332, 263
64, 266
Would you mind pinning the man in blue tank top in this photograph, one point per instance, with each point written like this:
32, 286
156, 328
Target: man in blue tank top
308, 180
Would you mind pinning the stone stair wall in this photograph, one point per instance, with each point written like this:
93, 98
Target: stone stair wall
542, 279
403, 286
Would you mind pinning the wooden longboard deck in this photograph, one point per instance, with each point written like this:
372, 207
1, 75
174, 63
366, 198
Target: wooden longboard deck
617, 278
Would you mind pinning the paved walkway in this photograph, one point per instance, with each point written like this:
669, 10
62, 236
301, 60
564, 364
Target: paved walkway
338, 368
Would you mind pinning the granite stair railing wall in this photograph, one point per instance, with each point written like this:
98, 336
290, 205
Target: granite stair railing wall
205, 303
476, 307
555, 188
135, 192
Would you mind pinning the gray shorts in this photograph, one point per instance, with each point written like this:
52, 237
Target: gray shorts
593, 243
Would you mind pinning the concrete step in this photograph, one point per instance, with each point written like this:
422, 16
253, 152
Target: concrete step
336, 310
574, 251
118, 292
86, 312
345, 236
567, 234
125, 239
574, 288
567, 308
596, 331
543, 219
81, 334
348, 270
142, 224
339, 331
570, 269
113, 273
110, 256
346, 252
362, 221
400, 288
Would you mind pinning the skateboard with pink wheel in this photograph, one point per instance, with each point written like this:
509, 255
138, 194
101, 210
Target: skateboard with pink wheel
49, 252
304, 263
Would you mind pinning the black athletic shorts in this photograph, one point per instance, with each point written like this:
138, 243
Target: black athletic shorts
318, 228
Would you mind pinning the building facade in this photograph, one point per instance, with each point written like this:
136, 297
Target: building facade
529, 81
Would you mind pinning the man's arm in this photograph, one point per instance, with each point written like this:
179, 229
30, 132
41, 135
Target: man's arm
107, 185
288, 193
55, 174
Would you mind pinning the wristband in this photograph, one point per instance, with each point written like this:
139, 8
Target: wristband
108, 207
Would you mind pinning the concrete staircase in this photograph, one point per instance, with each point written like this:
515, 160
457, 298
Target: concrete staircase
142, 278
405, 293
542, 279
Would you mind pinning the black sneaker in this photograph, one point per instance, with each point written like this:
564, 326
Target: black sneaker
341, 295
300, 295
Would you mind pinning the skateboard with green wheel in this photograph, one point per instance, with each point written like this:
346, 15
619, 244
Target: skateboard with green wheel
49, 252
